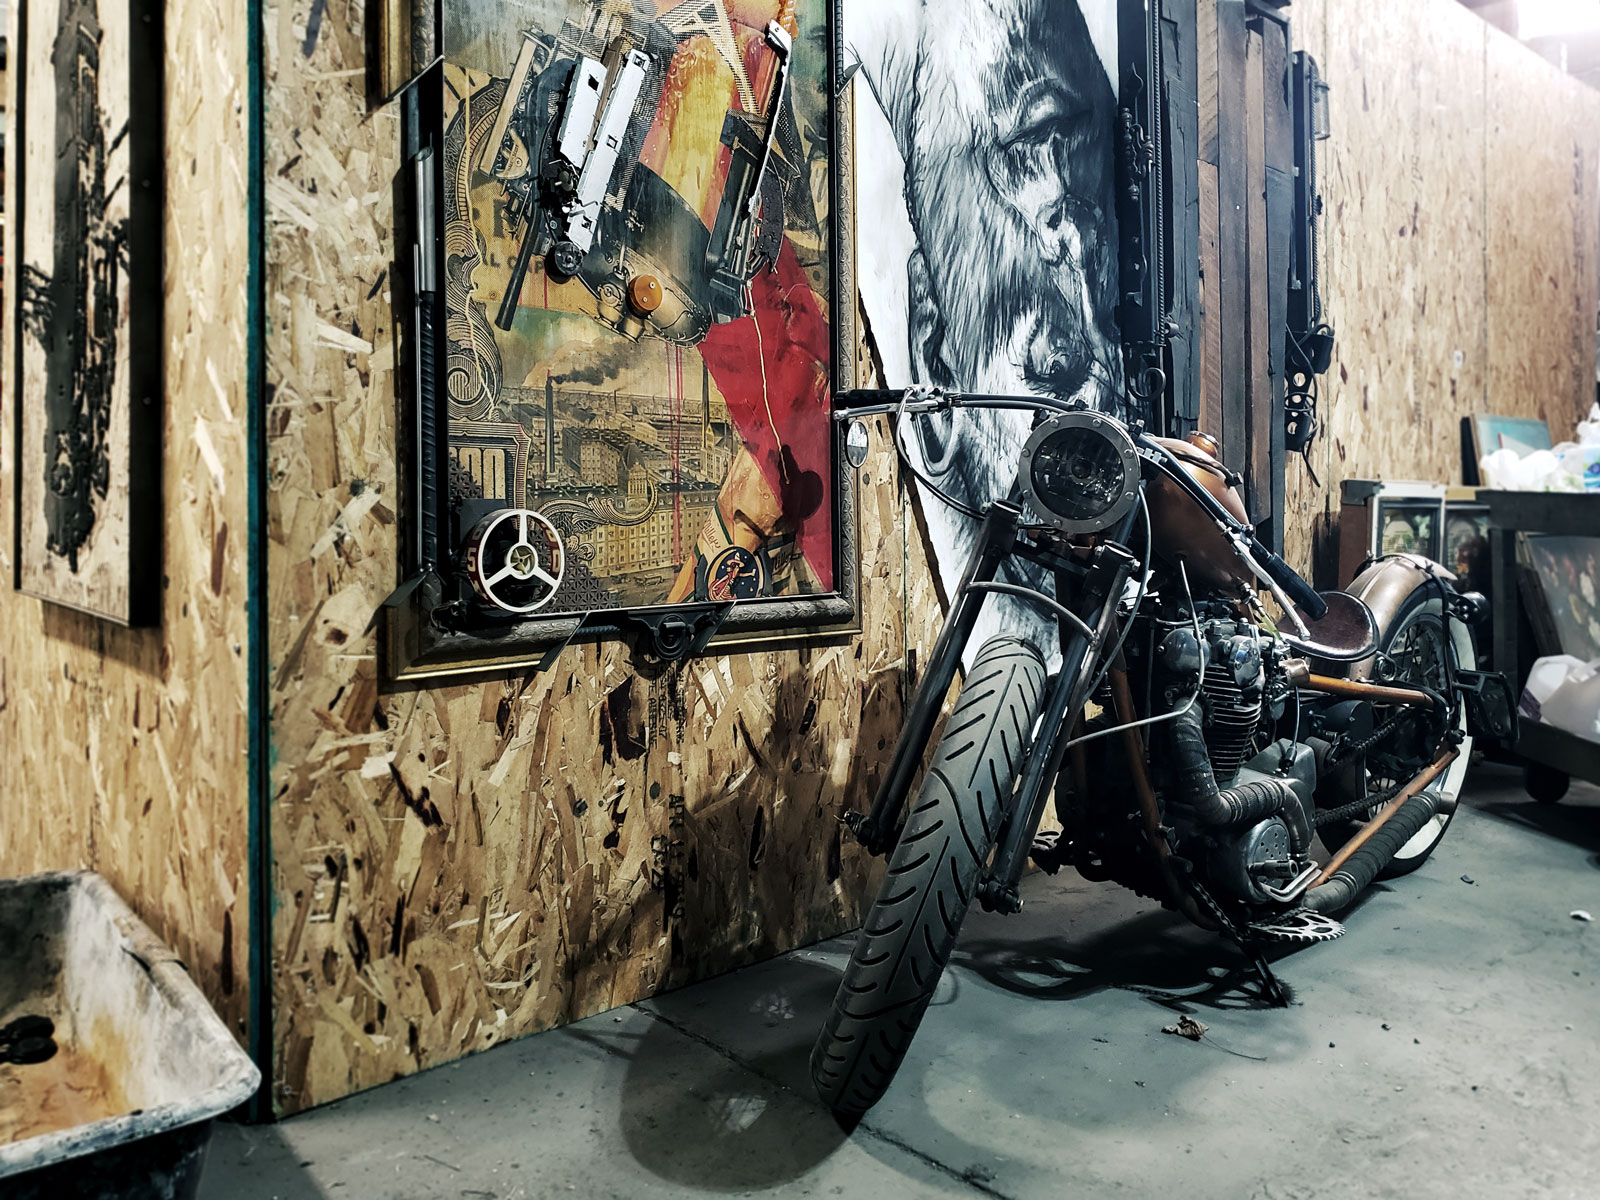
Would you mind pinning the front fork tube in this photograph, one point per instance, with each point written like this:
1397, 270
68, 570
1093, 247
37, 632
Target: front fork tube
1102, 589
996, 540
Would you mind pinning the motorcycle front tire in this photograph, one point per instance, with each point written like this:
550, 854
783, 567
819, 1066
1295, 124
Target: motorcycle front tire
933, 874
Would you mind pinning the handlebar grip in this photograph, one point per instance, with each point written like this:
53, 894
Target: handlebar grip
1285, 576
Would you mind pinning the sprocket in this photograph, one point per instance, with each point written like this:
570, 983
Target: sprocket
1302, 926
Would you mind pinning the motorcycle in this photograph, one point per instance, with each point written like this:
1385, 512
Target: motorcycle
1195, 745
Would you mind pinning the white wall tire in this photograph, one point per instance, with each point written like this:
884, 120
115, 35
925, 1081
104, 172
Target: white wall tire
1422, 615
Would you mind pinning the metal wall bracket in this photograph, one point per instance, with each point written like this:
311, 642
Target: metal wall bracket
663, 635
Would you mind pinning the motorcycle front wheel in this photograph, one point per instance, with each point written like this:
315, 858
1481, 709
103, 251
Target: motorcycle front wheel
936, 867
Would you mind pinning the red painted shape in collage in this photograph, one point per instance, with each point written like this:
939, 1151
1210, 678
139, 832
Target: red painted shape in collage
778, 360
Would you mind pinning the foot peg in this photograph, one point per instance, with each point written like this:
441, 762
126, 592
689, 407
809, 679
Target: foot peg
1047, 852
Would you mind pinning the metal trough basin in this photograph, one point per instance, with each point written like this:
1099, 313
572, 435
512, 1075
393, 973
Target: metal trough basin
123, 1109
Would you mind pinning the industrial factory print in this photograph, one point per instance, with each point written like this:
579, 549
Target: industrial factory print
87, 318
638, 281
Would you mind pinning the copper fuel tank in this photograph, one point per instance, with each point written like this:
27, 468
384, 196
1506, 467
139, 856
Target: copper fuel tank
1181, 529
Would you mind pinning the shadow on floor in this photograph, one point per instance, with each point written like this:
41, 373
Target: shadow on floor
698, 1113
255, 1162
1156, 955
1578, 825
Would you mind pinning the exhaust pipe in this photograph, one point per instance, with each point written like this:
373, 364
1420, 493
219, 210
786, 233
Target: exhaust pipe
1357, 864
1228, 808
1359, 870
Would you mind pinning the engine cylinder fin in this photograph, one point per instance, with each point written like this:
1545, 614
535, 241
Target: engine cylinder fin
1231, 722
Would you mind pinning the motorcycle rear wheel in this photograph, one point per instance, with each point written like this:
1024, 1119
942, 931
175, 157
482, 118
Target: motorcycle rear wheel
1415, 639
944, 847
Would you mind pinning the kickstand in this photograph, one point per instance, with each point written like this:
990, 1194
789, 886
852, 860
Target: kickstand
1271, 990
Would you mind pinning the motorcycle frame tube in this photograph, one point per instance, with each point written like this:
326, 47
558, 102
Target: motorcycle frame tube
1351, 689
1149, 808
1102, 590
996, 541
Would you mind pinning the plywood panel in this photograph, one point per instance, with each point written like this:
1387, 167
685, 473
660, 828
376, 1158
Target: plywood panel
1460, 263
125, 749
1449, 350
1541, 156
1371, 174
457, 865
1207, 88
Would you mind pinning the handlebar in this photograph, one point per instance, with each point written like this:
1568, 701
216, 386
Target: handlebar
922, 400
915, 400
1286, 577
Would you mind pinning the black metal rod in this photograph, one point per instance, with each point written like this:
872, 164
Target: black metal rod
995, 540
1034, 791
871, 402
509, 303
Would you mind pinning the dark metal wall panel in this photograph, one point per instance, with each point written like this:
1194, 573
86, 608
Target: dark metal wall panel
1233, 282
1210, 303
1180, 53
1257, 331
1279, 142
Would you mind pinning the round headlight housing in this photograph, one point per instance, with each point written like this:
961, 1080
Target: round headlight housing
1080, 472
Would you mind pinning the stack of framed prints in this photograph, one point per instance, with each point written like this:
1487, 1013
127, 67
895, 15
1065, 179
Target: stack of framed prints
1378, 518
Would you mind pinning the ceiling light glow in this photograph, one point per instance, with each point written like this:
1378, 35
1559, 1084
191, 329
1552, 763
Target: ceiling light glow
1556, 18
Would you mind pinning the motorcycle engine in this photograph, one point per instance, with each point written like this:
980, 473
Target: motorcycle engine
1242, 859
1243, 688
1231, 691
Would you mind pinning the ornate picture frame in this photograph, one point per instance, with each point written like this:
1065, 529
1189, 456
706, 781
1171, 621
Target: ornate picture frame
632, 303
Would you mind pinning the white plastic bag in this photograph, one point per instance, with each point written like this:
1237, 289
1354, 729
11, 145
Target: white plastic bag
1541, 471
1564, 692
1589, 431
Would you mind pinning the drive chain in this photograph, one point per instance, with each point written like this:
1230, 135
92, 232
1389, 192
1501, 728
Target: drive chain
1348, 750
1357, 808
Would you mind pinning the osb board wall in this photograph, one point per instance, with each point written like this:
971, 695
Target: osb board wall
456, 865
1461, 264
124, 750
1542, 165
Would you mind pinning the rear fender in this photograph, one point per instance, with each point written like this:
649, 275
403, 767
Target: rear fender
1385, 586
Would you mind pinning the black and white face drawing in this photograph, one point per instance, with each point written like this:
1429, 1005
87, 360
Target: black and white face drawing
989, 264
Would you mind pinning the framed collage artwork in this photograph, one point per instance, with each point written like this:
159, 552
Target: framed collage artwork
632, 307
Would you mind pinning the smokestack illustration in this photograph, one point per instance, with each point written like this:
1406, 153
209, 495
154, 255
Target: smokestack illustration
705, 404
549, 426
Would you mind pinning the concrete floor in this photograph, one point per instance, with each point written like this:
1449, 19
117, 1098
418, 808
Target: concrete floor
1448, 1045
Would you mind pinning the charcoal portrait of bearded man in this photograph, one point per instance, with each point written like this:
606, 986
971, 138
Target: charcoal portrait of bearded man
988, 248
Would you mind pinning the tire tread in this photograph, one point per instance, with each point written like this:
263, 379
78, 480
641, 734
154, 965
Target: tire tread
899, 956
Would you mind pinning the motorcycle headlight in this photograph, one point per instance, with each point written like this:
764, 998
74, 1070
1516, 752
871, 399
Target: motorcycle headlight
1080, 472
